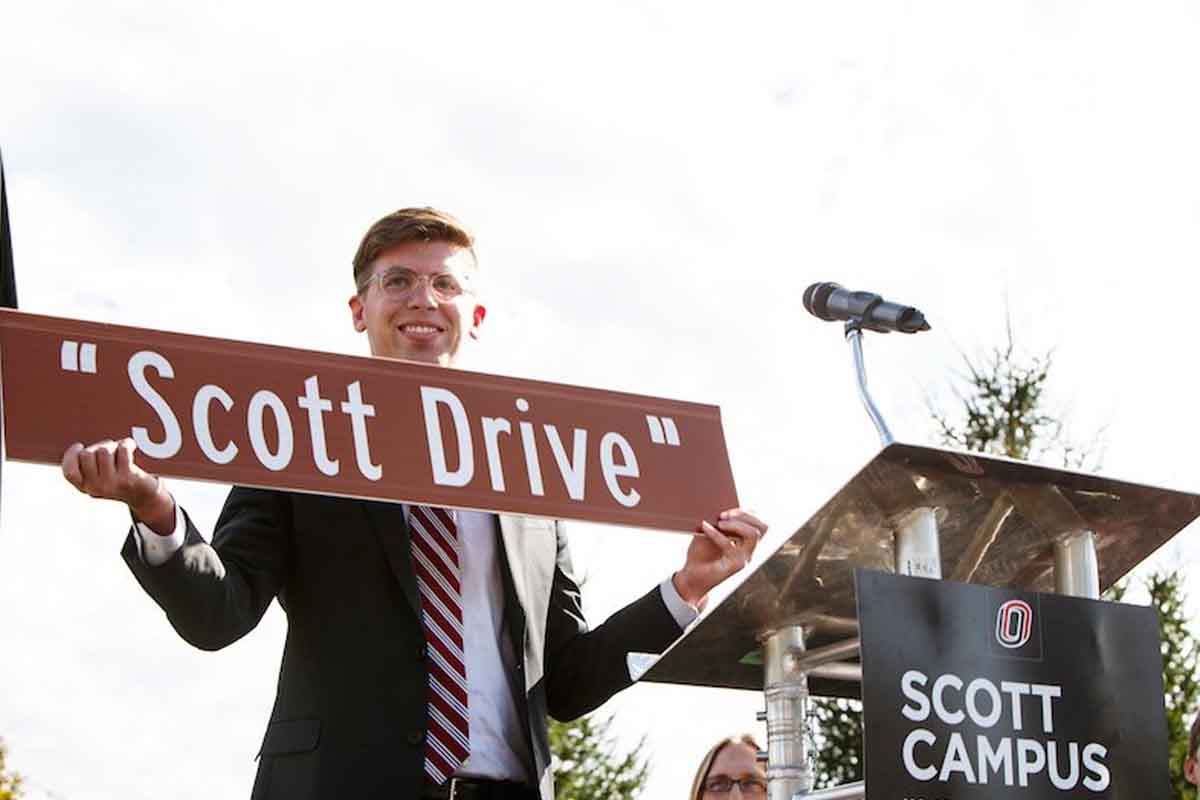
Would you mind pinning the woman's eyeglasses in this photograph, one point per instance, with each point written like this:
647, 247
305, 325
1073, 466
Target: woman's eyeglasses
749, 786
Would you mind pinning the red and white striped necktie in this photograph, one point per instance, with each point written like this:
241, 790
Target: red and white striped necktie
436, 561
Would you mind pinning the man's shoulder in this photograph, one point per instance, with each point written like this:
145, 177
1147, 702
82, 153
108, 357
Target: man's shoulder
532, 524
242, 495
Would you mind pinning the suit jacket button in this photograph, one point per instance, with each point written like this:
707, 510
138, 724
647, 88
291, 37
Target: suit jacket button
416, 737
421, 652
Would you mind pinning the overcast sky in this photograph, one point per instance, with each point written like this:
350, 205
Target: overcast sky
653, 185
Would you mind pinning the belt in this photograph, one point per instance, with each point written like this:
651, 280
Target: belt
480, 789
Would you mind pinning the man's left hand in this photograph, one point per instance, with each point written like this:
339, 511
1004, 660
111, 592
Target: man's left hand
716, 552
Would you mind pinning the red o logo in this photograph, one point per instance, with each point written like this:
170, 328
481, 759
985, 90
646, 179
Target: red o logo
1014, 624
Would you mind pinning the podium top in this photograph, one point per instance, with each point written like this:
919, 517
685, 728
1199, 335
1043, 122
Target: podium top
998, 520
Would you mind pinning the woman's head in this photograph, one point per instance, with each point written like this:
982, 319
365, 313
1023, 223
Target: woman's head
1191, 765
731, 767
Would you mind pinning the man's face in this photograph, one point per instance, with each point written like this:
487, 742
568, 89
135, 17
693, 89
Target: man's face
416, 325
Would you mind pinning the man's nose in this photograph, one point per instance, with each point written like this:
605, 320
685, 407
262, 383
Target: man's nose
421, 295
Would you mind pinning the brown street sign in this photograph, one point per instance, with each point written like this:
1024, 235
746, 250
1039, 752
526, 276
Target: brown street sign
258, 415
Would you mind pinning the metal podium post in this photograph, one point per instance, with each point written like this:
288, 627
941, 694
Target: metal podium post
1076, 572
785, 686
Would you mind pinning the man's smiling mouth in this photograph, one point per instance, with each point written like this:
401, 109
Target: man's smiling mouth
420, 329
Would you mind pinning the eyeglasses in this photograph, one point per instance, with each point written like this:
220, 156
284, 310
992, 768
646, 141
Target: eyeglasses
723, 784
398, 282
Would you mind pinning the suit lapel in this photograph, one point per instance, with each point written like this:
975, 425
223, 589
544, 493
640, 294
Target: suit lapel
530, 552
530, 548
513, 551
391, 528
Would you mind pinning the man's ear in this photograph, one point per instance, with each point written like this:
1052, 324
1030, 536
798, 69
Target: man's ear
1191, 771
356, 313
477, 319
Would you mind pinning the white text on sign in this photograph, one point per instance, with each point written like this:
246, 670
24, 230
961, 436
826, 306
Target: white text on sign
1014, 759
456, 444
261, 402
617, 459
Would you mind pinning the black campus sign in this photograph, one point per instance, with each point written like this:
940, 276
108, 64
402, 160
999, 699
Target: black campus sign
972, 692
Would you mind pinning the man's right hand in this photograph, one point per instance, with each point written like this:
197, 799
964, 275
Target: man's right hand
107, 470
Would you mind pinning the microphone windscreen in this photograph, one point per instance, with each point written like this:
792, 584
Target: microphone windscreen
816, 299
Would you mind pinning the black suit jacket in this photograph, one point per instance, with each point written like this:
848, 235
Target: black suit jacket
349, 715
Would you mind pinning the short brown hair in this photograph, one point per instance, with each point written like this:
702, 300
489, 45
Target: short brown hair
409, 225
1194, 739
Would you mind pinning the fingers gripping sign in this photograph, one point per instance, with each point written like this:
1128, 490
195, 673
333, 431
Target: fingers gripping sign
717, 552
107, 470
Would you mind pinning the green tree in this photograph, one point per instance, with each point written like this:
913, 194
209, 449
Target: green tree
1181, 659
838, 741
1003, 413
588, 766
10, 782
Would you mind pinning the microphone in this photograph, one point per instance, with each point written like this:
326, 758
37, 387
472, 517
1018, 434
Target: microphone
830, 302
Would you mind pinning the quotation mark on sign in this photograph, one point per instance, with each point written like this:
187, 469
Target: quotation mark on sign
78, 357
662, 430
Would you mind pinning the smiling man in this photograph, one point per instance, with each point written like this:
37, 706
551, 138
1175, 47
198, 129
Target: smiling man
425, 306
425, 646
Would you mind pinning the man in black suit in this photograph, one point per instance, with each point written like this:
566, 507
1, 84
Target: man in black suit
425, 647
